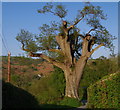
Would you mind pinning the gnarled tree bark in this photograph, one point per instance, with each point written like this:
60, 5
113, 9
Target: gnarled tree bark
72, 67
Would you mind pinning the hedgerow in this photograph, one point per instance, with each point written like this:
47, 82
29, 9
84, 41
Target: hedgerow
105, 93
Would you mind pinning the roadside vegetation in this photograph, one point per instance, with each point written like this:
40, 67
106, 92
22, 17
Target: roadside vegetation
105, 93
49, 90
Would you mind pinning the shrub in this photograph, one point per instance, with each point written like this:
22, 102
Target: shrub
105, 93
58, 80
22, 81
50, 89
94, 71
15, 77
43, 91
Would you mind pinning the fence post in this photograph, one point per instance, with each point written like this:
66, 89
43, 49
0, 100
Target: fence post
9, 66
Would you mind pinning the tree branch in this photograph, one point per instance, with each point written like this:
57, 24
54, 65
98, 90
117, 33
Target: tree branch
83, 37
51, 60
90, 53
97, 47
58, 64
23, 48
91, 42
53, 12
87, 55
56, 50
79, 19
65, 47
76, 22
91, 30
71, 27
77, 52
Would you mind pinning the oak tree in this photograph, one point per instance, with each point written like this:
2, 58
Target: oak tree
64, 45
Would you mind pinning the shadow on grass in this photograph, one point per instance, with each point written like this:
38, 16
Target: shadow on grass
18, 99
55, 107
14, 97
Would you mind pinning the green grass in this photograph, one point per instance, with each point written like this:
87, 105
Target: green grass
49, 92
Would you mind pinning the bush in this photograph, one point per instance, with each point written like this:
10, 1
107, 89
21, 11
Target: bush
94, 71
105, 93
49, 90
44, 92
58, 80
22, 81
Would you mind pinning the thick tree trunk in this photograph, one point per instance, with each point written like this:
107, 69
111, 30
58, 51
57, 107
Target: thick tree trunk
71, 86
73, 79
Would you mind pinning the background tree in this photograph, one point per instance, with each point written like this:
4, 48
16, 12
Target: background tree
64, 45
